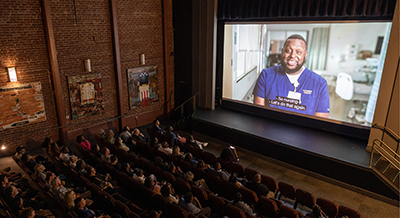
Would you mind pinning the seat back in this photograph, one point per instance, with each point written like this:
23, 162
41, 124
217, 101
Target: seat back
200, 194
330, 208
249, 196
347, 211
270, 182
267, 207
169, 177
288, 212
237, 168
305, 198
122, 209
209, 158
286, 190
216, 203
181, 186
213, 181
178, 212
250, 173
234, 212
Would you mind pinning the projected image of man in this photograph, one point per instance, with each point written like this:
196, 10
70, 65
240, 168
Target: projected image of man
290, 86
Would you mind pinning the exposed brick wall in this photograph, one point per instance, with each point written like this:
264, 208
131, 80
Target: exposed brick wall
23, 43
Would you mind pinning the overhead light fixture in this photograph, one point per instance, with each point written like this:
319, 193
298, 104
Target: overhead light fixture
12, 74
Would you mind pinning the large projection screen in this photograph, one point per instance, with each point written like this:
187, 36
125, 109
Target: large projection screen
335, 74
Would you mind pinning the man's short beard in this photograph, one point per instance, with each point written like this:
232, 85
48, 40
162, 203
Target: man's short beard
290, 71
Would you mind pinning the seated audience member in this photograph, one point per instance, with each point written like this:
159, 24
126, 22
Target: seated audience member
155, 143
174, 137
176, 171
28, 212
58, 189
193, 206
155, 214
241, 205
70, 197
189, 159
229, 154
151, 183
158, 161
55, 149
138, 136
221, 173
29, 162
139, 176
257, 187
102, 134
189, 177
46, 143
106, 155
39, 172
83, 212
317, 213
95, 149
125, 134
50, 176
20, 152
120, 143
114, 162
201, 165
100, 180
4, 184
81, 167
126, 168
195, 143
16, 202
72, 161
166, 191
64, 156
156, 127
233, 179
110, 137
176, 152
165, 149
83, 142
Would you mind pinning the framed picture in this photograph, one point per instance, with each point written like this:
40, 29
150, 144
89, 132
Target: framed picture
142, 86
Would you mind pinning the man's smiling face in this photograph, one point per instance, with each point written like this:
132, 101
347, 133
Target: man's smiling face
294, 55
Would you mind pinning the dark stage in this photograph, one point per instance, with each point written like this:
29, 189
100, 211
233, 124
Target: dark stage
339, 157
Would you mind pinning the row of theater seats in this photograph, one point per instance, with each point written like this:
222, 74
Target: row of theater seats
225, 190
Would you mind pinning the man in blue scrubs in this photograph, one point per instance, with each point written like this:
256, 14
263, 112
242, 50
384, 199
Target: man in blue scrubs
290, 86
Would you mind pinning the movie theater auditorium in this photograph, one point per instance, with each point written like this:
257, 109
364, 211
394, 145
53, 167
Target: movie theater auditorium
76, 73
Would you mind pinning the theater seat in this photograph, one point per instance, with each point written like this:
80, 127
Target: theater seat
288, 212
233, 211
305, 198
178, 212
286, 190
267, 207
270, 182
330, 208
250, 173
346, 211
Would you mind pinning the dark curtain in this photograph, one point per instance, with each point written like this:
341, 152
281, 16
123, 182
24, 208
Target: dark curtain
304, 10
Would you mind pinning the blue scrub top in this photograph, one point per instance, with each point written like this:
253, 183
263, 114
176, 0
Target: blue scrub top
274, 85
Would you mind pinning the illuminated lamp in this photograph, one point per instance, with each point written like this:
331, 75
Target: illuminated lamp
12, 74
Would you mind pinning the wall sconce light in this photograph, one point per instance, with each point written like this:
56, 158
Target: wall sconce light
12, 74
142, 59
88, 68
3, 147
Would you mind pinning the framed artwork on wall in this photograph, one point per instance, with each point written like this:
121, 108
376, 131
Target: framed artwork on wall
21, 104
86, 95
142, 86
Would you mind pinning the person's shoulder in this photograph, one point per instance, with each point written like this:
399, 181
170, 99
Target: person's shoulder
313, 75
273, 70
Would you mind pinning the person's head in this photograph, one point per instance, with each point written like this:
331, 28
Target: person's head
170, 129
149, 182
80, 203
54, 147
119, 140
188, 157
105, 151
200, 163
233, 177
188, 197
39, 168
102, 133
11, 191
191, 138
294, 54
110, 133
165, 144
126, 166
91, 171
56, 182
257, 178
176, 150
26, 157
217, 166
126, 128
65, 150
50, 176
28, 212
138, 172
166, 190
189, 176
156, 122
158, 160
47, 141
20, 149
69, 198
80, 138
155, 140
114, 159
95, 148
3, 180
73, 159
80, 164
171, 168
136, 131
238, 197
